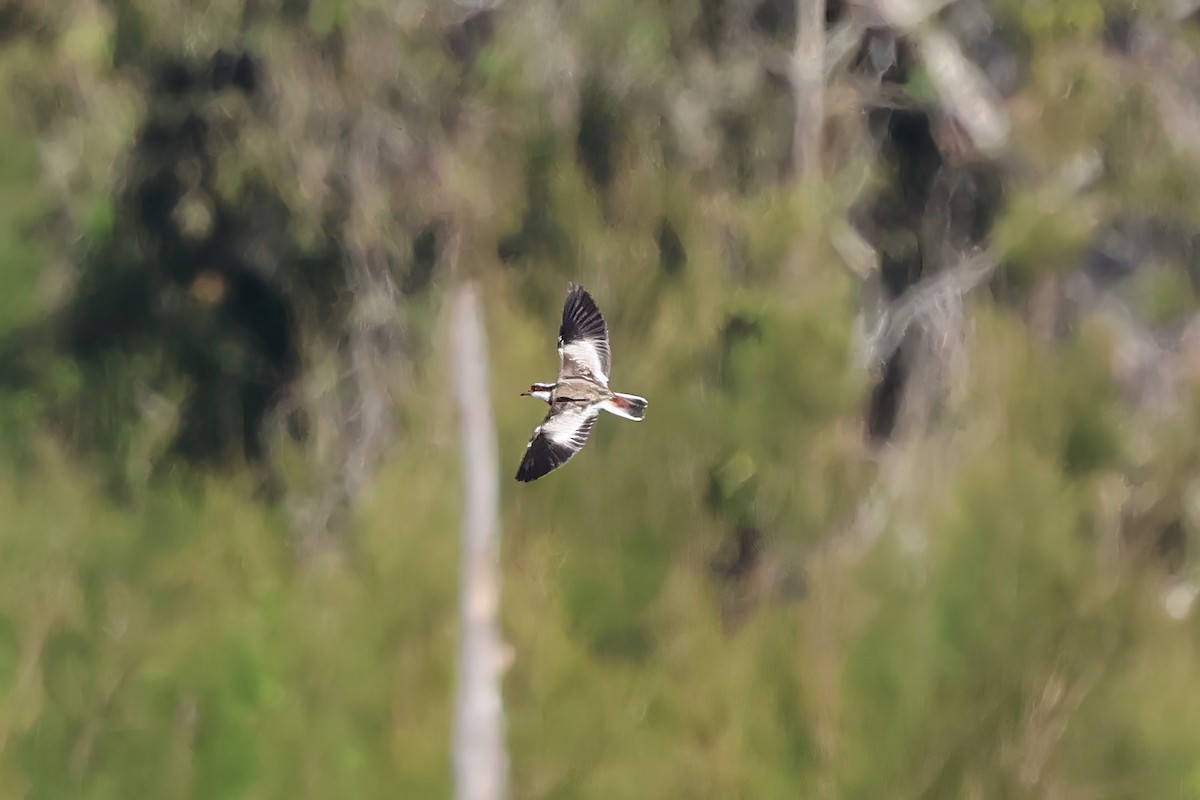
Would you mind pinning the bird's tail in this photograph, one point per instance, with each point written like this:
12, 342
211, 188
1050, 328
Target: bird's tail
629, 406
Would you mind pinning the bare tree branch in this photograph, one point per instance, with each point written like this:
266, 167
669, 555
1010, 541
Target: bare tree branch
962, 88
947, 287
808, 88
908, 14
480, 760
965, 92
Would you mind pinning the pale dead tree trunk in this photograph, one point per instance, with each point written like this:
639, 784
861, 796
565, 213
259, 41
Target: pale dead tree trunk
808, 88
480, 761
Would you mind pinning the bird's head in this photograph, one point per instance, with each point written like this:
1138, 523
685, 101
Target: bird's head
539, 390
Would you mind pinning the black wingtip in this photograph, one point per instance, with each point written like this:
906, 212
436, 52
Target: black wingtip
576, 293
541, 457
529, 470
581, 317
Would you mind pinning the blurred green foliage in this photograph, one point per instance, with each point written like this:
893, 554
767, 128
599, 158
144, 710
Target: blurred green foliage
226, 230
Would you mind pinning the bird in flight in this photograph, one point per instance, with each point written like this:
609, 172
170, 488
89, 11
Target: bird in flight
581, 391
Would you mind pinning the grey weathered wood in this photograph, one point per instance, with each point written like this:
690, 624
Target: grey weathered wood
480, 759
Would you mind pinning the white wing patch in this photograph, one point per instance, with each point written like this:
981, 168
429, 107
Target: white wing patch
555, 441
570, 428
585, 358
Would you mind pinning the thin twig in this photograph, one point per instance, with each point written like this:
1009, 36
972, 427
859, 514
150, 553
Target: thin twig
480, 760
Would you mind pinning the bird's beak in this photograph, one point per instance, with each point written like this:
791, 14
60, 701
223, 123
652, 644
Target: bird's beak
525, 393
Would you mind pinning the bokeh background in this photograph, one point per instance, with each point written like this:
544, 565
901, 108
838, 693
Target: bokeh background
912, 290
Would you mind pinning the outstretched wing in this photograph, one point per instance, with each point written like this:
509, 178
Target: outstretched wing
583, 338
561, 435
